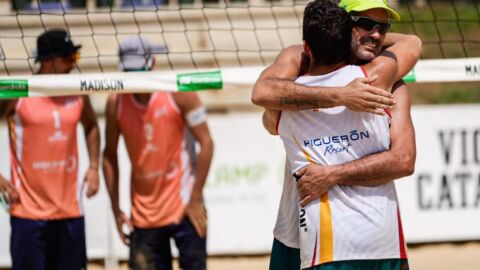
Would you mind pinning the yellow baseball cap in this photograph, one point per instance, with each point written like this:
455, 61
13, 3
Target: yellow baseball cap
362, 5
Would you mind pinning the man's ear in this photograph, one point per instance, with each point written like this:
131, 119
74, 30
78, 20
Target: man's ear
306, 48
304, 64
306, 59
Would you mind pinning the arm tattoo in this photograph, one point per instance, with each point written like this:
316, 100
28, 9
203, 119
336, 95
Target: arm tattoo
298, 103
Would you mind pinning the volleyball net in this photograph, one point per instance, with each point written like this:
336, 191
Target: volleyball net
440, 70
210, 44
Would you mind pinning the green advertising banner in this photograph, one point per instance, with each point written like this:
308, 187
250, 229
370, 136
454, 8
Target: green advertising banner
410, 77
13, 88
199, 81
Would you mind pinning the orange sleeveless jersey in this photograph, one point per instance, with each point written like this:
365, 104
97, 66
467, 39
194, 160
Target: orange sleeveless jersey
44, 161
161, 180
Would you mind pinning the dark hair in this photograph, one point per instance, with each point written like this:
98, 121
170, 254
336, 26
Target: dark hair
327, 30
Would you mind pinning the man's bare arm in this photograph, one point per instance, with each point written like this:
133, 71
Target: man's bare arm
110, 156
375, 169
7, 106
110, 167
270, 119
398, 161
190, 104
407, 48
3, 107
276, 90
92, 137
7, 189
385, 67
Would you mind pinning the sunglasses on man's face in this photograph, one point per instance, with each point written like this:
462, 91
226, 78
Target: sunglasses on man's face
369, 24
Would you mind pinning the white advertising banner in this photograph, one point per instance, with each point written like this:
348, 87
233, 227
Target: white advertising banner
440, 202
127, 82
445, 70
436, 70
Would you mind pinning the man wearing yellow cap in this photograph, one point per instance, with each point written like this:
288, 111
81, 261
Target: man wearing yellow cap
362, 5
276, 90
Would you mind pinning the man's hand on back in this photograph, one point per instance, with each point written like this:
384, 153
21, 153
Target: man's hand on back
359, 96
314, 181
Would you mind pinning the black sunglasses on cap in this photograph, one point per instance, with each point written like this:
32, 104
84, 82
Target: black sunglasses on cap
369, 24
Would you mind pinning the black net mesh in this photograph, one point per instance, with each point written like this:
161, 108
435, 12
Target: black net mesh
209, 33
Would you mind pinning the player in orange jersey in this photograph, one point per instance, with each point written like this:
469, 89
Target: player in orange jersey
44, 194
166, 182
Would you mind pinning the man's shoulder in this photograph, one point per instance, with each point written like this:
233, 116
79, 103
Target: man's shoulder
291, 53
297, 48
344, 71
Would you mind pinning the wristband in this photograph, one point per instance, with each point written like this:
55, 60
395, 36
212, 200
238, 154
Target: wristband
196, 117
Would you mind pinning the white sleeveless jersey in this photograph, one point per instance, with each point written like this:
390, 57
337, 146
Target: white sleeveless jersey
348, 222
286, 226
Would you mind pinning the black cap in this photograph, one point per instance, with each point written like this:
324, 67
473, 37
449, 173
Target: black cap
53, 43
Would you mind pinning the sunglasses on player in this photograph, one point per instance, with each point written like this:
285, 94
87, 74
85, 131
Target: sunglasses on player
369, 24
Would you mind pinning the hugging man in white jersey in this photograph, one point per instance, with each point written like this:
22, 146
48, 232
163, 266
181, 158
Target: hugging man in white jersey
352, 226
